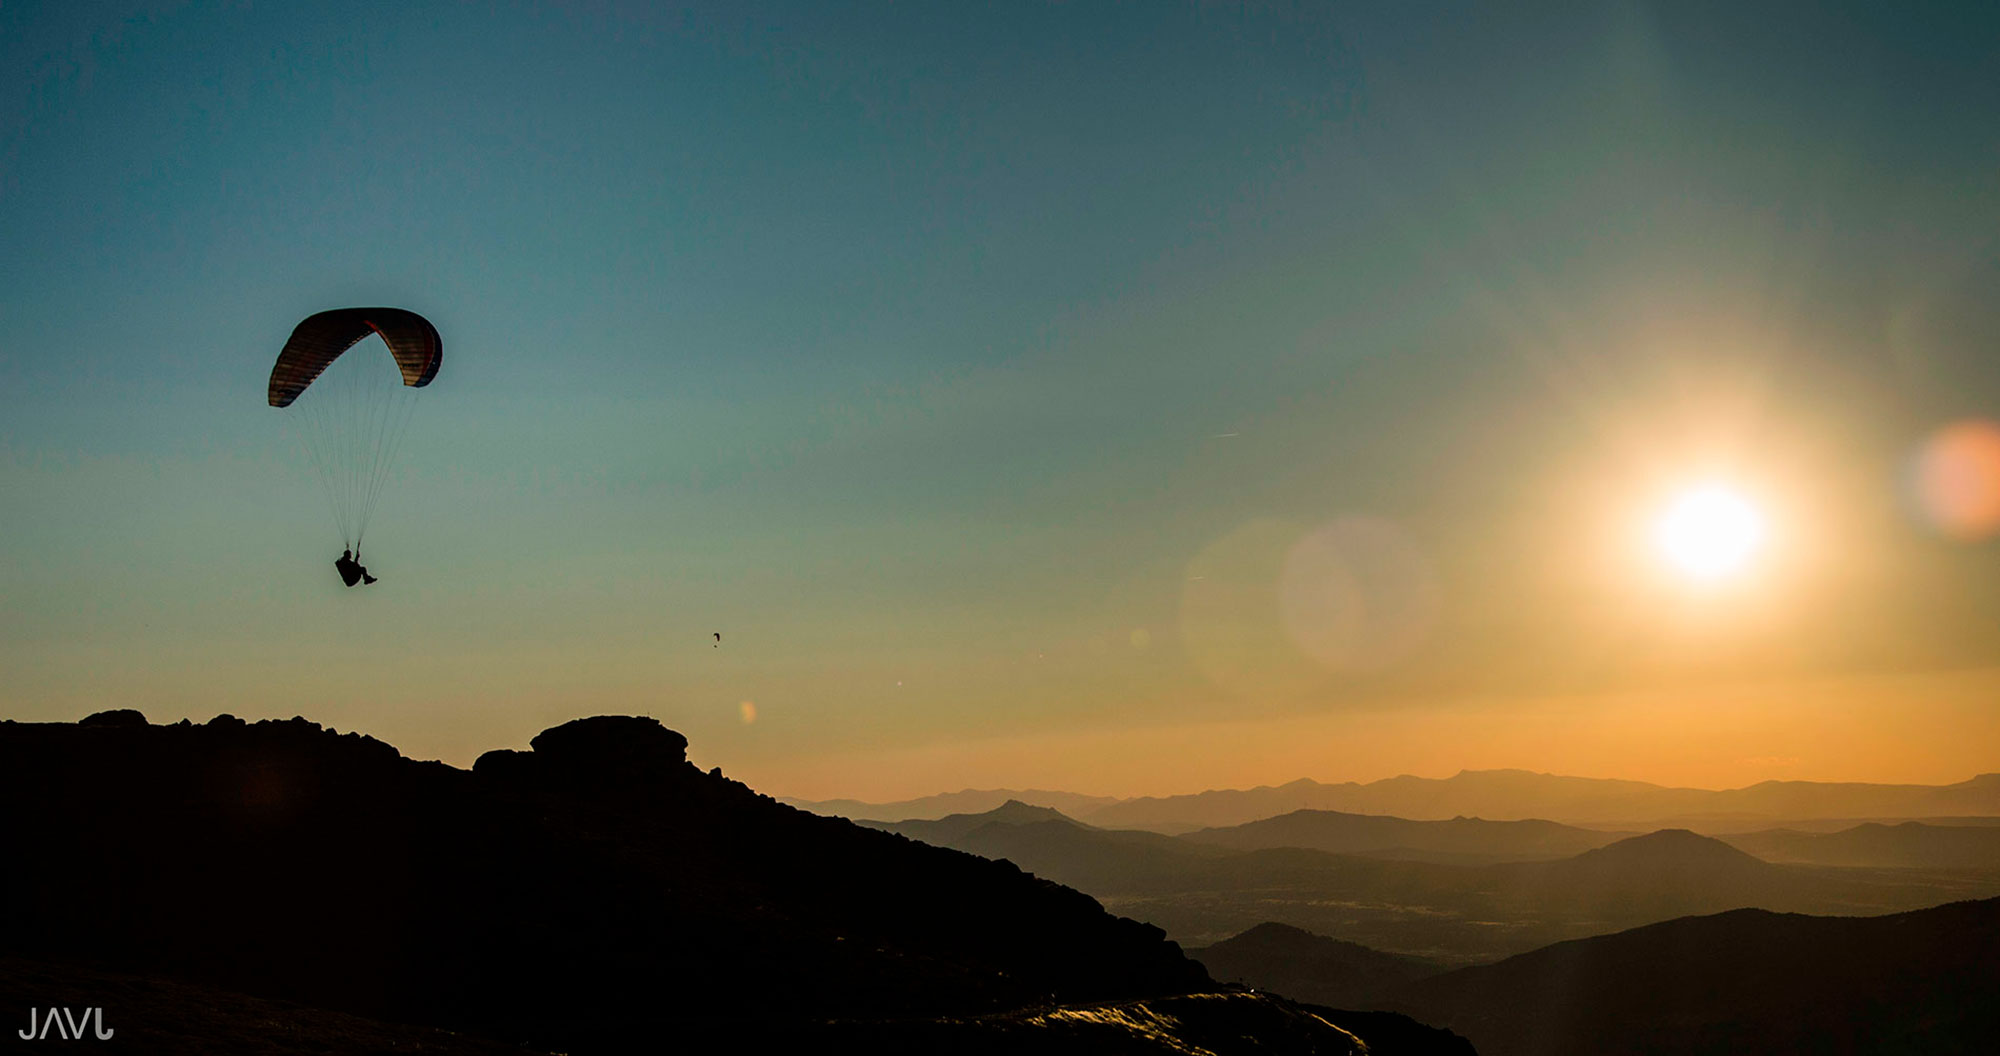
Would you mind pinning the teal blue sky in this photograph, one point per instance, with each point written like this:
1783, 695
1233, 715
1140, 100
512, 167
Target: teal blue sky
976, 368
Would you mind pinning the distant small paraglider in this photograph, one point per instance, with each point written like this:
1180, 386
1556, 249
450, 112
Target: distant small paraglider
718, 641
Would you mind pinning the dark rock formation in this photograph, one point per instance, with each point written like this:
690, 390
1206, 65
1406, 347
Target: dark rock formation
597, 893
115, 717
630, 744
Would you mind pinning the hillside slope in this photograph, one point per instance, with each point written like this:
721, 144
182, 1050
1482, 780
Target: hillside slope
1746, 981
1910, 845
1309, 967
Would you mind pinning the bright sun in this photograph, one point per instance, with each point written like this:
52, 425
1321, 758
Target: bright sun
1710, 533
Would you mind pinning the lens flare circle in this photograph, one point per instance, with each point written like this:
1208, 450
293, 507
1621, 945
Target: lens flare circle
1273, 609
1358, 595
1958, 480
1710, 533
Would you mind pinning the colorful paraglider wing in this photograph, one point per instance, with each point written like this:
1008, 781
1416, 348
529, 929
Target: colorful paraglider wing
322, 338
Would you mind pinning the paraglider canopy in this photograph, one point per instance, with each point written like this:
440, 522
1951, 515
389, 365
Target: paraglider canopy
351, 411
318, 341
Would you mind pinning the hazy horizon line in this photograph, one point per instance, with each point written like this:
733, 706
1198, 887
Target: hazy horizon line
1363, 784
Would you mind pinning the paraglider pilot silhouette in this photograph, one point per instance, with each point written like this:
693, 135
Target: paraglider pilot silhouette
351, 412
351, 570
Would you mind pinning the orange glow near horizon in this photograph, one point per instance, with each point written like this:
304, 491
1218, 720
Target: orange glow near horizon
1932, 728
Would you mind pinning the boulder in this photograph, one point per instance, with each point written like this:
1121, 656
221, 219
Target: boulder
611, 746
115, 717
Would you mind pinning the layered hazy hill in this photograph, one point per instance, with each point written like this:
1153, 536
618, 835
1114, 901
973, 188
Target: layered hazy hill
951, 828
1202, 893
1747, 981
1016, 830
968, 801
1459, 840
1910, 845
595, 894
1309, 967
1501, 795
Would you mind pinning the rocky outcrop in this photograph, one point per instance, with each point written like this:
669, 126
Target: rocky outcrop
597, 893
579, 895
115, 717
629, 744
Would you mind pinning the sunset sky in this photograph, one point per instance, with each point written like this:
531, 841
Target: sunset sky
1123, 398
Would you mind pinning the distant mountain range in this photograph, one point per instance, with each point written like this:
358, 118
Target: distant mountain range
1463, 841
1501, 795
969, 801
1202, 893
595, 894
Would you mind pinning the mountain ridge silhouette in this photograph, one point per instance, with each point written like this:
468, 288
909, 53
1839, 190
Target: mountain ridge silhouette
595, 893
1747, 980
1202, 894
1499, 795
